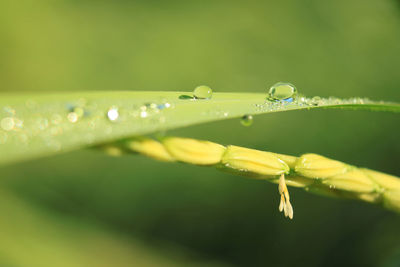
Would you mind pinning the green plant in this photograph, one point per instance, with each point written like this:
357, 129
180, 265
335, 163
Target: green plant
312, 172
41, 125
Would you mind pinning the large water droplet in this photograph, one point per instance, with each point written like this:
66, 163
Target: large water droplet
202, 92
282, 91
246, 120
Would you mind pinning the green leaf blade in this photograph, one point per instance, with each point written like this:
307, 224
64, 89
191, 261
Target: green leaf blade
36, 125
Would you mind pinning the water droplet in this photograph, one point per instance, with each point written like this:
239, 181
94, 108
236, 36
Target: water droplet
152, 105
246, 120
113, 114
7, 123
164, 105
19, 123
316, 100
79, 111
283, 91
72, 117
202, 92
143, 114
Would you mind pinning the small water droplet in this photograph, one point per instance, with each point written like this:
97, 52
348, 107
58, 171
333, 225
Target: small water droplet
152, 105
7, 123
79, 111
246, 120
316, 100
283, 91
164, 105
113, 114
19, 123
202, 92
72, 117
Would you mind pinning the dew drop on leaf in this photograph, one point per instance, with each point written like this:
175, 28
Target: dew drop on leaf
79, 111
202, 92
246, 120
113, 114
282, 91
316, 100
72, 117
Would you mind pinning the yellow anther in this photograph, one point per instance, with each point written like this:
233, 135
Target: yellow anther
285, 204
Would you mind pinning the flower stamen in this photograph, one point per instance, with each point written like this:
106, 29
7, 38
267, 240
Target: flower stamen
285, 204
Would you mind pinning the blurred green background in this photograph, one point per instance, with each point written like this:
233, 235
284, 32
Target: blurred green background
87, 209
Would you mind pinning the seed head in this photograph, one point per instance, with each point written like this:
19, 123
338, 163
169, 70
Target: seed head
255, 161
316, 166
194, 151
150, 148
354, 181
